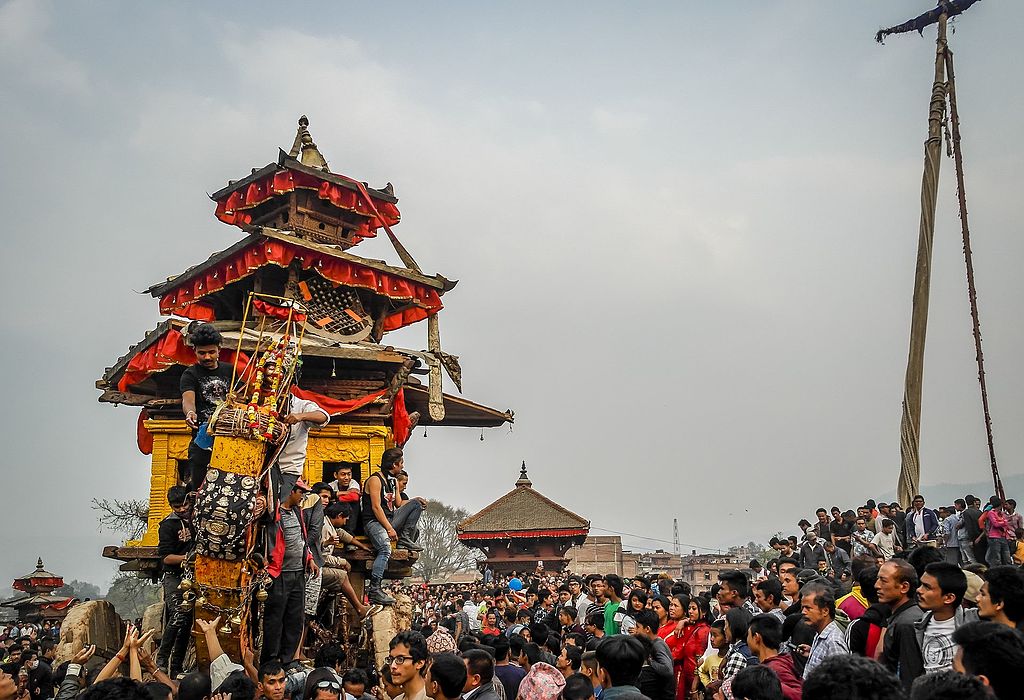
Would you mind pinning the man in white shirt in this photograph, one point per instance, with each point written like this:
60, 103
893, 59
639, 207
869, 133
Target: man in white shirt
472, 609
344, 483
301, 415
580, 600
885, 541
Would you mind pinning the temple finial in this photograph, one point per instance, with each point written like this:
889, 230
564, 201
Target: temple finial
523, 480
303, 148
39, 563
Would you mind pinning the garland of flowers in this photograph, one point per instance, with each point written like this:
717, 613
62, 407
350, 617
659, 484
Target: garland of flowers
270, 403
269, 371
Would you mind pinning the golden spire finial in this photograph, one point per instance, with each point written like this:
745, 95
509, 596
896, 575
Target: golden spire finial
303, 148
523, 480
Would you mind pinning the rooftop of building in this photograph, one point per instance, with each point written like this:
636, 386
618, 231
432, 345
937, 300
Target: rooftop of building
523, 512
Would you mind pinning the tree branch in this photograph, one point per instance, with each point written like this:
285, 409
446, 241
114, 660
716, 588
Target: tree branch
129, 517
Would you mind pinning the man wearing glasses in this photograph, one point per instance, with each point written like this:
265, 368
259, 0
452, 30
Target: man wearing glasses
407, 660
580, 600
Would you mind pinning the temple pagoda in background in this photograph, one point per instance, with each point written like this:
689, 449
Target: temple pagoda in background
300, 222
523, 529
39, 604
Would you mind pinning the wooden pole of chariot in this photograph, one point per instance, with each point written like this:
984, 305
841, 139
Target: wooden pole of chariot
943, 90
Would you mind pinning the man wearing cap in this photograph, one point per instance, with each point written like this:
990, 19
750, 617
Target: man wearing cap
811, 552
289, 558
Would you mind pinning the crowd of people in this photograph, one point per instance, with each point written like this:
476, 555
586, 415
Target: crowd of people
877, 603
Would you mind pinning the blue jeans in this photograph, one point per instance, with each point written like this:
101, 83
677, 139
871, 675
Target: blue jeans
967, 552
998, 552
404, 521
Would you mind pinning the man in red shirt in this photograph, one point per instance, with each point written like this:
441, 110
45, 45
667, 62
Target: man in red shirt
764, 636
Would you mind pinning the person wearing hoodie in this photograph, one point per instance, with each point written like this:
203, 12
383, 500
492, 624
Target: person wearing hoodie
657, 679
940, 595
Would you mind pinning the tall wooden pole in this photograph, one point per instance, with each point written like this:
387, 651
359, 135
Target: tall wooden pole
910, 425
972, 291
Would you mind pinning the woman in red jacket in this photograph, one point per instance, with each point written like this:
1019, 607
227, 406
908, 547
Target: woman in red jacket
660, 604
677, 606
689, 640
695, 638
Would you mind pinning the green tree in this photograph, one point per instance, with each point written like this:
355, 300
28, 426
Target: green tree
131, 595
443, 553
79, 589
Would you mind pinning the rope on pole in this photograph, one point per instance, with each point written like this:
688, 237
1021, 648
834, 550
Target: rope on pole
910, 422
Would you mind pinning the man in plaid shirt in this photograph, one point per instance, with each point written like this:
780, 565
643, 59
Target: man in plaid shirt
818, 604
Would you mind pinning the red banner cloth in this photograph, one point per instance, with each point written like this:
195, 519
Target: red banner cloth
510, 534
400, 420
232, 209
24, 584
336, 407
279, 312
182, 300
399, 415
143, 437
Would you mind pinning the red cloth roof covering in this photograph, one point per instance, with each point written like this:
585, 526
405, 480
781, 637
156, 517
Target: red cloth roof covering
182, 299
232, 207
169, 350
517, 534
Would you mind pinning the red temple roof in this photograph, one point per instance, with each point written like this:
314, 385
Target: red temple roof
40, 579
419, 295
289, 174
523, 512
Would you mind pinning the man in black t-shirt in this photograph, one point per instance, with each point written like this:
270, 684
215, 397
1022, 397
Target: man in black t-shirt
203, 386
175, 541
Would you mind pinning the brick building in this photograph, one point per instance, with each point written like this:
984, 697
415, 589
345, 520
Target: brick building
701, 570
603, 555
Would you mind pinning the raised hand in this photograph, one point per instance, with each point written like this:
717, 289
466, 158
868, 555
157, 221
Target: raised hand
207, 625
83, 655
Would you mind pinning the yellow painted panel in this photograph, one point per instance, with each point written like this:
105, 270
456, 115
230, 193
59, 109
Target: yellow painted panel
239, 455
362, 444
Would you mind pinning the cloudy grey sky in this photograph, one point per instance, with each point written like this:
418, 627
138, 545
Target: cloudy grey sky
685, 238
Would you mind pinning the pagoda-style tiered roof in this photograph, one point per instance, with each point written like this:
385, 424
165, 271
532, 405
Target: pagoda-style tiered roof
212, 289
39, 581
333, 207
147, 375
523, 513
38, 602
296, 246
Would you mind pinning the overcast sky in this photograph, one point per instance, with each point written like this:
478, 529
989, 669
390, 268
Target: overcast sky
685, 238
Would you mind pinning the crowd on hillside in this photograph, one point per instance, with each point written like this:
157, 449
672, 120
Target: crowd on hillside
876, 603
